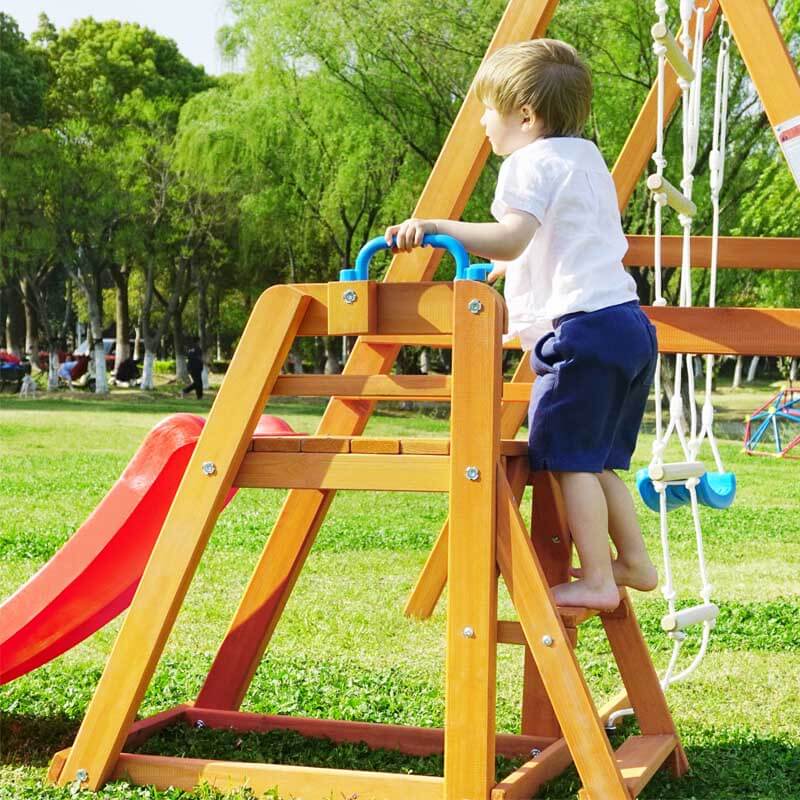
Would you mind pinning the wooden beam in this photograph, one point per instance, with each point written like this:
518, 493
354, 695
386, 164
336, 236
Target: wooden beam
225, 776
727, 331
735, 252
369, 472
406, 739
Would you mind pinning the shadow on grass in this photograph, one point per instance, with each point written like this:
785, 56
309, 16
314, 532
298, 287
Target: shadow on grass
32, 741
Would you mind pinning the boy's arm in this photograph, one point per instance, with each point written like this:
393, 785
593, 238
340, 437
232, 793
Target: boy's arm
501, 241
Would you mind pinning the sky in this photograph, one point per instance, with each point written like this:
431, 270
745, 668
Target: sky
193, 24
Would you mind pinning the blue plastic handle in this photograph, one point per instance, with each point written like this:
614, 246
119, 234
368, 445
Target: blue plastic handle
361, 270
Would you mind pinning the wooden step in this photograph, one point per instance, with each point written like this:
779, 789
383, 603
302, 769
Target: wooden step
510, 631
640, 757
367, 444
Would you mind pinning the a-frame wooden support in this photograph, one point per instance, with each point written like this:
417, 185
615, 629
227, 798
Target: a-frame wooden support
557, 700
484, 475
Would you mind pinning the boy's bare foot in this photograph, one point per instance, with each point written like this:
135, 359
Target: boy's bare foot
579, 593
642, 576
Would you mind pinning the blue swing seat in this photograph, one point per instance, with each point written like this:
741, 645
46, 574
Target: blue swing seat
715, 490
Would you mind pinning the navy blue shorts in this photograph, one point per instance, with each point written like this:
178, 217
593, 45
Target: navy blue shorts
594, 373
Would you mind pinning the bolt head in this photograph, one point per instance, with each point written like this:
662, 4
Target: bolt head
535, 752
547, 640
469, 633
350, 296
199, 724
82, 776
475, 306
209, 468
556, 540
472, 473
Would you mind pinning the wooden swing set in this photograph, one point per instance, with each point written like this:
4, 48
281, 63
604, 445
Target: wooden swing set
482, 467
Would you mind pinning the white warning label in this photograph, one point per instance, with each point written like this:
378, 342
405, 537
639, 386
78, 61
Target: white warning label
788, 134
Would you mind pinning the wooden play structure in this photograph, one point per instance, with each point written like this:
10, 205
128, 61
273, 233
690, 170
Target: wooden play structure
482, 467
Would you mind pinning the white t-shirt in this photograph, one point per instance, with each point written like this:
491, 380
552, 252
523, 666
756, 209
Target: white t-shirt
574, 261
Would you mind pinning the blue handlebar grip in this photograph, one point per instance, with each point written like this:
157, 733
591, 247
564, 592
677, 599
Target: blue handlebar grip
361, 270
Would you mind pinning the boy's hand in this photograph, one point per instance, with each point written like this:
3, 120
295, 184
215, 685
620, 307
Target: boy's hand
498, 271
409, 234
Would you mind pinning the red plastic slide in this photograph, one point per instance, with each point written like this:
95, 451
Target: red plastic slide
93, 577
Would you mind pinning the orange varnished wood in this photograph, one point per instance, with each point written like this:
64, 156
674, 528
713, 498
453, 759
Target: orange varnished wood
403, 738
727, 331
735, 252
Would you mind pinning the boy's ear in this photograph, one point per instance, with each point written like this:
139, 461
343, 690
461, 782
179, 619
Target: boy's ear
527, 117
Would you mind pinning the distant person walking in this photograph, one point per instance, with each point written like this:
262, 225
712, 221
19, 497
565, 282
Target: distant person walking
195, 366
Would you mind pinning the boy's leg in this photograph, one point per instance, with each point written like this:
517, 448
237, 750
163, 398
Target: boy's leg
633, 566
587, 516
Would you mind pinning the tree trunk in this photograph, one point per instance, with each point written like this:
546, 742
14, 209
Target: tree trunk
15, 322
137, 343
98, 351
181, 370
751, 372
737, 373
793, 370
31, 325
331, 361
148, 370
121, 277
52, 370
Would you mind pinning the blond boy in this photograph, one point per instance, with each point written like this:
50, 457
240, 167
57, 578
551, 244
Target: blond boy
558, 241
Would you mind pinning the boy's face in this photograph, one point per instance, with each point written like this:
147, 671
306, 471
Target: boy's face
508, 132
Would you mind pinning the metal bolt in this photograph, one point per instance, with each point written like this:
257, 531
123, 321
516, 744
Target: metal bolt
469, 633
535, 752
556, 539
472, 473
209, 468
350, 296
199, 724
475, 306
547, 640
81, 776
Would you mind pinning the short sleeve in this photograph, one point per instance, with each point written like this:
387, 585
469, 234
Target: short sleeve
522, 185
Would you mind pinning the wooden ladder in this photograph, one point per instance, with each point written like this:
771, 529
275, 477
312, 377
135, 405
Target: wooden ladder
485, 476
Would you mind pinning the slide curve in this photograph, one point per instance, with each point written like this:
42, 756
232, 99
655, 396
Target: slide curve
93, 577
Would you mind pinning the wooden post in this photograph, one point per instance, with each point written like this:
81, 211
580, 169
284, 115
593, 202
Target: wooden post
469, 750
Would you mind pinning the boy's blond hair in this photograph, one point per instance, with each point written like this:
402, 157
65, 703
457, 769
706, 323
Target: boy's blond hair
546, 74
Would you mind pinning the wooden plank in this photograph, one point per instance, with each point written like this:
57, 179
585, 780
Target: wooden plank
554, 656
352, 307
325, 444
226, 436
766, 57
641, 681
276, 444
422, 307
727, 331
403, 738
469, 753
639, 758
376, 387
143, 729
388, 473
735, 252
57, 765
641, 141
301, 782
445, 195
375, 445
439, 447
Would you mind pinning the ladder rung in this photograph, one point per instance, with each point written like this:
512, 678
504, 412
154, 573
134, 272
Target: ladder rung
674, 54
368, 445
639, 758
678, 471
658, 184
689, 616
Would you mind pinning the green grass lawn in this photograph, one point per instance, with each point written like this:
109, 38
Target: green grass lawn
343, 648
